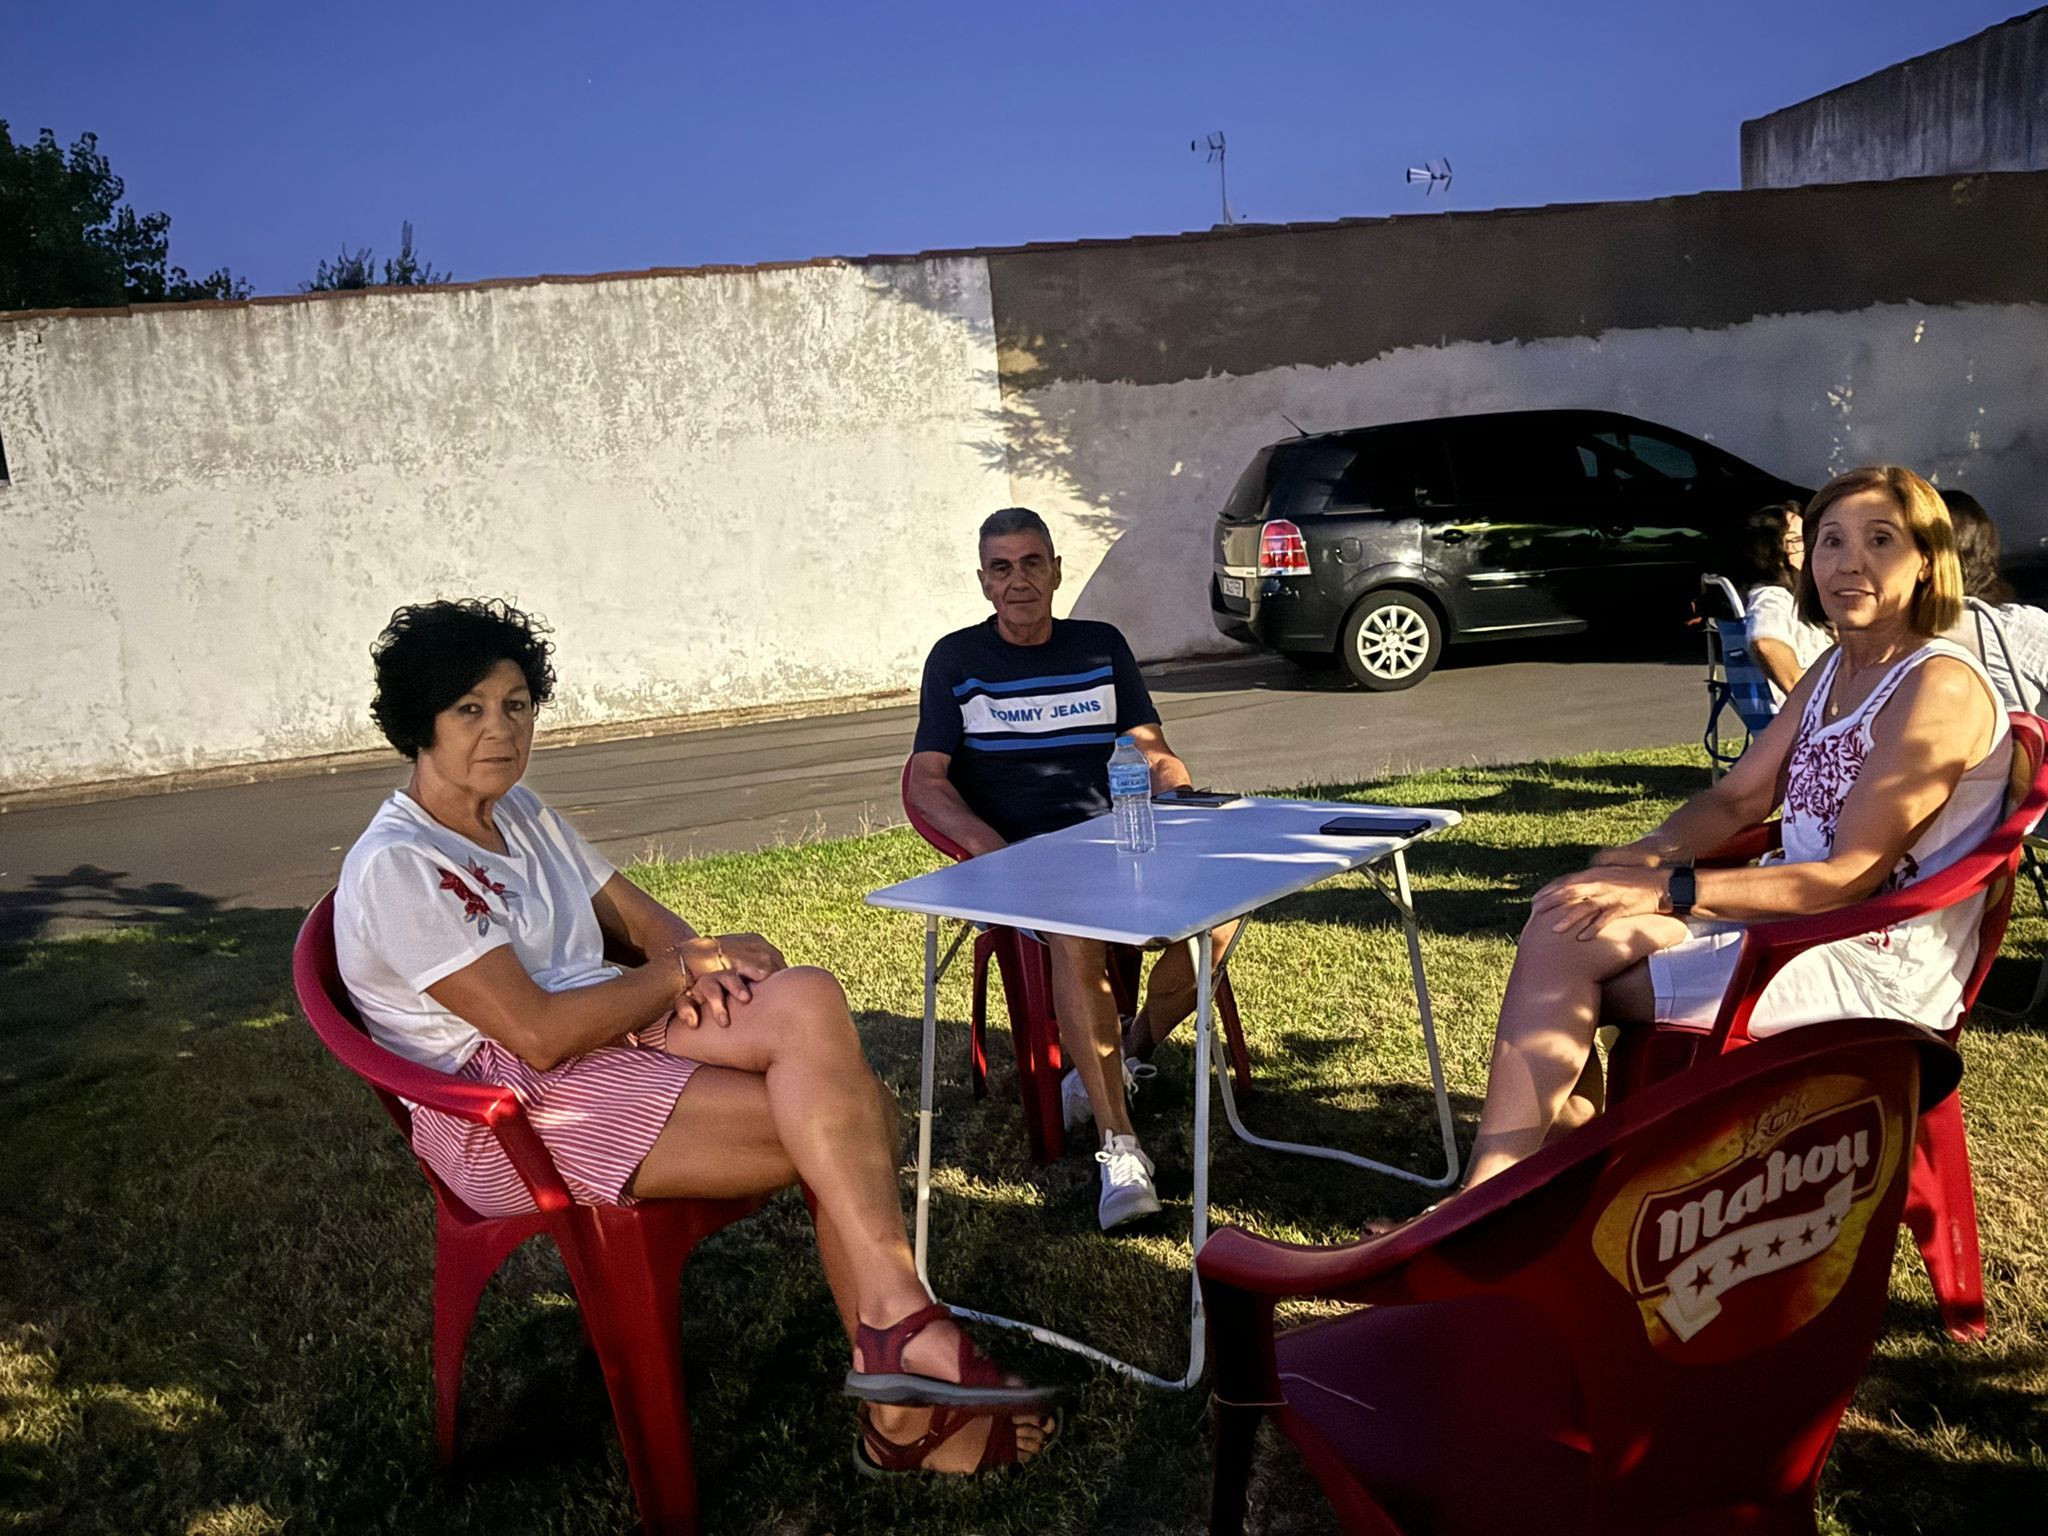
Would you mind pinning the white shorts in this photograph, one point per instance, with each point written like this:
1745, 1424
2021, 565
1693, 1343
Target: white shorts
1849, 979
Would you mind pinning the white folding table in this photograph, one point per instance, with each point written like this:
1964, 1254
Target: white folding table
1212, 864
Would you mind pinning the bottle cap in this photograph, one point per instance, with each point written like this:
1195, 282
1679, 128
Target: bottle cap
1127, 741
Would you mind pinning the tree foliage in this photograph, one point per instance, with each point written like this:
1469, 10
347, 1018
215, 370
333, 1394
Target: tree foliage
356, 269
68, 241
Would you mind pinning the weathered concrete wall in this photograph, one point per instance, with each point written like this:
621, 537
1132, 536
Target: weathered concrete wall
1977, 105
732, 489
1139, 378
722, 489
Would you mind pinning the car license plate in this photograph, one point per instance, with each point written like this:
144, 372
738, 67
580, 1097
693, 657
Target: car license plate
1233, 586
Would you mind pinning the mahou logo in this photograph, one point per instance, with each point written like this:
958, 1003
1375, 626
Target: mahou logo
1783, 1201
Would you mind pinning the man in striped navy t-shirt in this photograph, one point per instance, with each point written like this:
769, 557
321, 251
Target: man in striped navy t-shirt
1015, 727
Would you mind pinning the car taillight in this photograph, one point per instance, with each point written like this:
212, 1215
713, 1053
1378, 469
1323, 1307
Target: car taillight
1282, 551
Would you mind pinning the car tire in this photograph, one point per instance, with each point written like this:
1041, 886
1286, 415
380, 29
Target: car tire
1391, 641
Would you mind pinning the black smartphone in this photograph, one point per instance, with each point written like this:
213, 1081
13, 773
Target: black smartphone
1209, 798
1373, 826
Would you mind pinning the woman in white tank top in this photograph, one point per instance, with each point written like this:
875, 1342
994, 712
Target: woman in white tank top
1890, 760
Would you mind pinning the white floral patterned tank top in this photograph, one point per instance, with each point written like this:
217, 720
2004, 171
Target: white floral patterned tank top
1828, 757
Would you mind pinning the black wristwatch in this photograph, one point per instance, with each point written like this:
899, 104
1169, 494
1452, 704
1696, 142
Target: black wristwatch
1683, 890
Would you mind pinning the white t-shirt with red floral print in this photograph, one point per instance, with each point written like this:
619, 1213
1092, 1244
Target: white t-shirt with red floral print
417, 902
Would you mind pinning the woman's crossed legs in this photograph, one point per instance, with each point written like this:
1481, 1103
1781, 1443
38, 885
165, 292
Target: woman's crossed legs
1544, 1077
785, 1093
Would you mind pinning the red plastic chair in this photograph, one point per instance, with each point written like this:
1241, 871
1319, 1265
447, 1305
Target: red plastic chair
1646, 1328
626, 1262
1026, 969
1941, 1208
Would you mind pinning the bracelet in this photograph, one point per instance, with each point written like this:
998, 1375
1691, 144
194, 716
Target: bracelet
690, 977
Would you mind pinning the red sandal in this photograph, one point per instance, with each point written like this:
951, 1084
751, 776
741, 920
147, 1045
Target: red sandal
876, 1455
981, 1385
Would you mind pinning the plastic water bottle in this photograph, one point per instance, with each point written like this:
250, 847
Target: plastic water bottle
1130, 798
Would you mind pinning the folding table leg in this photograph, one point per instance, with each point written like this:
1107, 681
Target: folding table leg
922, 1219
1402, 901
934, 968
1436, 1061
1205, 1036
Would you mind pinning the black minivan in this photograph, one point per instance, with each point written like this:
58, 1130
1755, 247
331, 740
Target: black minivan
1383, 544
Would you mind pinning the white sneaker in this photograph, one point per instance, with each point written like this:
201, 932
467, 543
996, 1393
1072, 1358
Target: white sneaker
1075, 1110
1127, 1191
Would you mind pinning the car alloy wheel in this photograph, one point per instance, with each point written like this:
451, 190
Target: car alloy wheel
1392, 641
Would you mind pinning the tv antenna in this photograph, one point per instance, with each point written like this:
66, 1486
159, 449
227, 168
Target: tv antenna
1435, 173
1216, 151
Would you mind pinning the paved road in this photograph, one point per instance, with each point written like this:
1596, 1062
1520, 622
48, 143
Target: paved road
1248, 724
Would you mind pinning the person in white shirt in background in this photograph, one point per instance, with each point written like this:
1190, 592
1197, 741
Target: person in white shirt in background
1767, 558
2015, 653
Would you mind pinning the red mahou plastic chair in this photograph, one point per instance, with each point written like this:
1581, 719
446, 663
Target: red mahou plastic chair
1026, 970
1650, 1327
626, 1262
1941, 1207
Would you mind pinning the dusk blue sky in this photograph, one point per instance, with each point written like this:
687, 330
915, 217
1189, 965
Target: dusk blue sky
522, 137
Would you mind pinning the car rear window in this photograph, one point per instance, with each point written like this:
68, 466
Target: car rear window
1378, 477
1306, 474
1291, 479
1392, 469
1374, 469
1247, 503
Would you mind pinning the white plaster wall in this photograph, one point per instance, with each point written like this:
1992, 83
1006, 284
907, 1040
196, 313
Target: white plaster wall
748, 488
1132, 476
721, 489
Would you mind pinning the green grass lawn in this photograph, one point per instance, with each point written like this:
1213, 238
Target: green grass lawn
215, 1257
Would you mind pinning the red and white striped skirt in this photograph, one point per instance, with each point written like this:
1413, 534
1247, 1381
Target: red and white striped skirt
598, 1115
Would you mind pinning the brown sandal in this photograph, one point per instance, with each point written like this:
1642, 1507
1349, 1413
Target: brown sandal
981, 1385
876, 1455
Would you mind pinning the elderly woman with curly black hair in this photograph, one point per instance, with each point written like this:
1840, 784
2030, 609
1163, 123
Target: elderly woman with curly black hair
471, 923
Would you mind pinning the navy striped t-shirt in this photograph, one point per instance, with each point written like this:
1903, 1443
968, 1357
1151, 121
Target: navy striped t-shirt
1030, 728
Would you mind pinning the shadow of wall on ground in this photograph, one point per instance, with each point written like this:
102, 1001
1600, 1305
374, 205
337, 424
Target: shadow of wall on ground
89, 897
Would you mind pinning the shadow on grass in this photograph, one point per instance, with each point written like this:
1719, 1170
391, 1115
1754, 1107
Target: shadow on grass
1393, 1122
1942, 1432
88, 893
215, 1289
216, 1293
2009, 986
1491, 896
1558, 791
1498, 906
215, 1297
